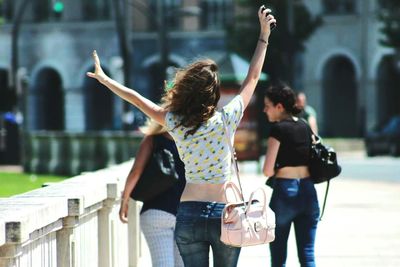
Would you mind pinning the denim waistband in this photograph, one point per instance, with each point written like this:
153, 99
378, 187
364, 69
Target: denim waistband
303, 179
200, 205
200, 208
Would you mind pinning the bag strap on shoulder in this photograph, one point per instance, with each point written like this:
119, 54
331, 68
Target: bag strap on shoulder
233, 157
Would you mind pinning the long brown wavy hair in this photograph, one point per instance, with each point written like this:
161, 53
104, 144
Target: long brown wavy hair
195, 94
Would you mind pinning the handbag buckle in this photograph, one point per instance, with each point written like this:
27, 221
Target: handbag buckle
258, 226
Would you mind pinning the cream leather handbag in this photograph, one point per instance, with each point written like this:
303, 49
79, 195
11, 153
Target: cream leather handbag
245, 223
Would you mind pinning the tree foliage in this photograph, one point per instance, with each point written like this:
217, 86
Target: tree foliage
283, 43
389, 15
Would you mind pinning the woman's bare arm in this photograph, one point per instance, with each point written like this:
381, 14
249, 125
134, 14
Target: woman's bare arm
148, 107
141, 159
270, 156
257, 62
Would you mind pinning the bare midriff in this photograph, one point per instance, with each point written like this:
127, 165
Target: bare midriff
203, 192
297, 172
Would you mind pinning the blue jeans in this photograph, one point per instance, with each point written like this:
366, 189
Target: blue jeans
198, 226
294, 201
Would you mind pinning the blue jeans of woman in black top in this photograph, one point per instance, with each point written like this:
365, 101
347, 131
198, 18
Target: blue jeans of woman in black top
294, 201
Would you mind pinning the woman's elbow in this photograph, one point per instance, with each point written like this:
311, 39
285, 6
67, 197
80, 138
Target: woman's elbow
268, 172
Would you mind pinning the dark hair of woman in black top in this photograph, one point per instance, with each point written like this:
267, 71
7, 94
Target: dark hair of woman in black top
284, 95
294, 199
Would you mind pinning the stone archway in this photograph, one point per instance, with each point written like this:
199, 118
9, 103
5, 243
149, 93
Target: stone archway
9, 128
388, 89
7, 97
156, 82
47, 101
99, 105
339, 98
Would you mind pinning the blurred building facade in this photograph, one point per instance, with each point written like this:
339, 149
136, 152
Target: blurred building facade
55, 54
70, 123
350, 79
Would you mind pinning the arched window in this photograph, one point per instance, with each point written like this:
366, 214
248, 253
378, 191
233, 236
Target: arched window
340, 104
7, 97
99, 106
156, 81
388, 89
47, 101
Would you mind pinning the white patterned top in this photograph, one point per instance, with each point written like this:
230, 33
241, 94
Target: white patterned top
205, 153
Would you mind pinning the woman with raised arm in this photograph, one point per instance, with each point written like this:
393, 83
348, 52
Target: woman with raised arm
191, 117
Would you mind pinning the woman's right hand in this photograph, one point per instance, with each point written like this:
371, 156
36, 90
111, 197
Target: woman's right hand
98, 73
123, 210
265, 22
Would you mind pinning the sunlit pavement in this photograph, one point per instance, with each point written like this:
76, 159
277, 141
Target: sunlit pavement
361, 225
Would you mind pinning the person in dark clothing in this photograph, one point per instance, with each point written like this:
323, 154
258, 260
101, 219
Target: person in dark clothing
307, 113
158, 215
294, 198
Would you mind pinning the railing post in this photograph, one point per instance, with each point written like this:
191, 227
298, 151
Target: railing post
134, 233
105, 235
9, 254
65, 243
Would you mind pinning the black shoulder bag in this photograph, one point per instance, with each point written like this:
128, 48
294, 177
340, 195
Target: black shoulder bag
158, 175
323, 164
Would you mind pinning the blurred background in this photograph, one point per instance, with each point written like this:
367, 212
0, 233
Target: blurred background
343, 54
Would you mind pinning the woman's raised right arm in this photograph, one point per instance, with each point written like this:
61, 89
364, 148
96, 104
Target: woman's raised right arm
148, 107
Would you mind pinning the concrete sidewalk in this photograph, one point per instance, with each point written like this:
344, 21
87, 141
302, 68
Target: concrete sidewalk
360, 228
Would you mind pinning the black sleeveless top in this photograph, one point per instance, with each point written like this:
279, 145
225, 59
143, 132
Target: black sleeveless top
295, 143
168, 200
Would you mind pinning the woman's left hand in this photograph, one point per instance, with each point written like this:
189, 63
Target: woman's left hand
98, 73
123, 210
265, 21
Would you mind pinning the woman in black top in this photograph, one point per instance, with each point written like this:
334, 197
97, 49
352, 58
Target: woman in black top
158, 214
294, 199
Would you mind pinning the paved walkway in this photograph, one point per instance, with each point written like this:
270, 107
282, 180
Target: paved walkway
360, 228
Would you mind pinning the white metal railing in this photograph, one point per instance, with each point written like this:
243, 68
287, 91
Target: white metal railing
71, 224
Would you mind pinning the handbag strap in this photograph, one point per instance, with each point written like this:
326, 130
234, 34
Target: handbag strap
326, 196
235, 191
252, 198
233, 157
315, 139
